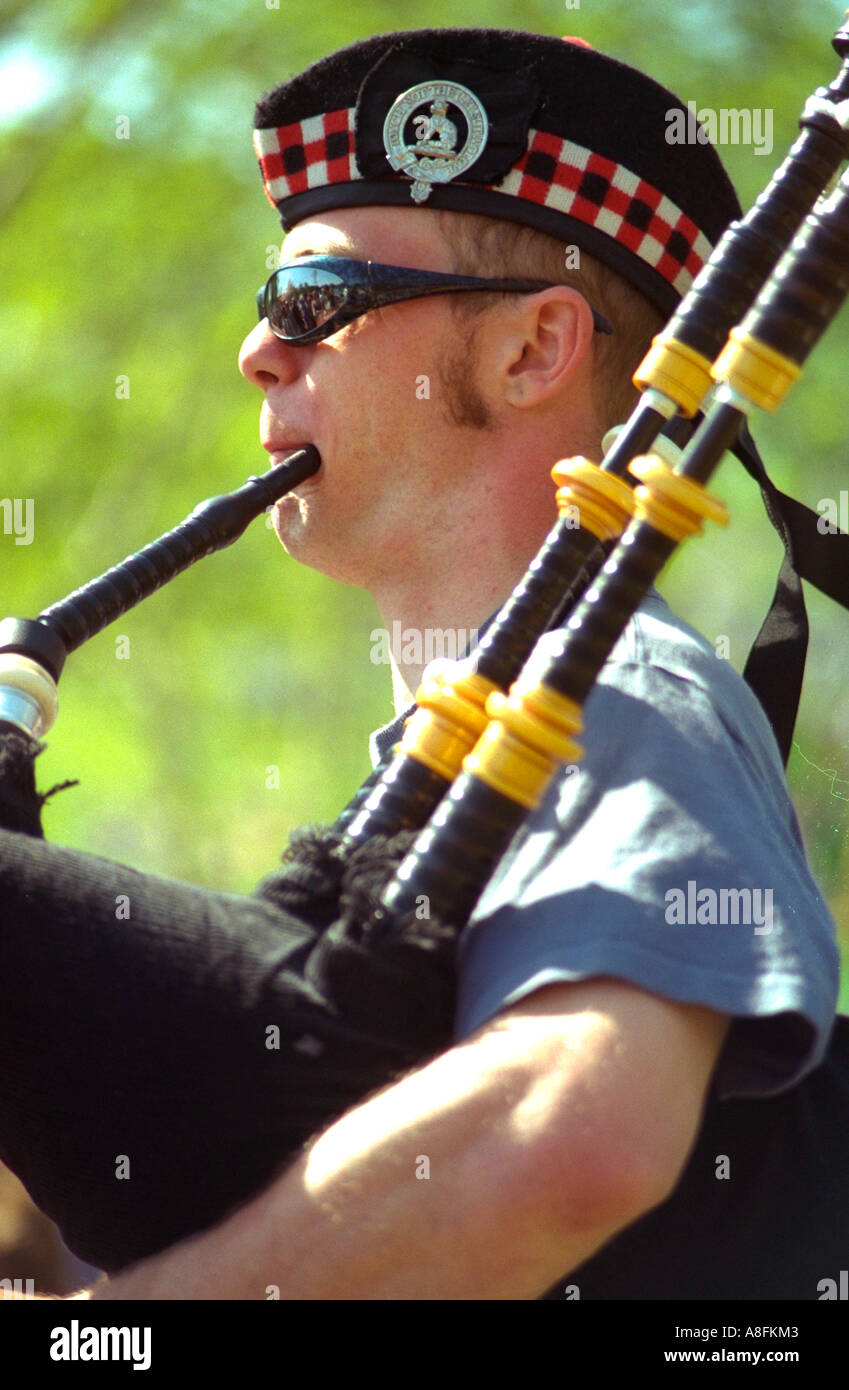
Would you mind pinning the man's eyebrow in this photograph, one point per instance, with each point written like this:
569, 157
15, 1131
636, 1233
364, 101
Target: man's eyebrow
333, 249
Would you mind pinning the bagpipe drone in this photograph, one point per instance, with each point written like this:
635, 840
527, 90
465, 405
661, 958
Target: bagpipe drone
208, 1037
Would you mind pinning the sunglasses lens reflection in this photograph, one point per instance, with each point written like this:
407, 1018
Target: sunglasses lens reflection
304, 298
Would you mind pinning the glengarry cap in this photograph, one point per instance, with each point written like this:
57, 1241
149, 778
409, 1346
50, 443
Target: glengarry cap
519, 126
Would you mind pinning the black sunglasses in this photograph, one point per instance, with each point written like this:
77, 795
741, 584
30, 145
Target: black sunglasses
308, 299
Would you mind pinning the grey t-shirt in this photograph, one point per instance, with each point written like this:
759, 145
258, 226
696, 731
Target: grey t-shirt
670, 857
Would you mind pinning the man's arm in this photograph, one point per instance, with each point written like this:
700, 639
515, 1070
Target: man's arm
490, 1173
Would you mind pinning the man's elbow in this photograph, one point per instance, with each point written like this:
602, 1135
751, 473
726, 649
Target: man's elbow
606, 1186
561, 1199
597, 1163
613, 1105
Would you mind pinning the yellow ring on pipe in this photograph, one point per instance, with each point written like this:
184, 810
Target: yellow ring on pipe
450, 719
675, 505
677, 371
755, 370
528, 737
605, 503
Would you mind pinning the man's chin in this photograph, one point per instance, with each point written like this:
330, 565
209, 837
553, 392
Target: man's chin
302, 543
295, 533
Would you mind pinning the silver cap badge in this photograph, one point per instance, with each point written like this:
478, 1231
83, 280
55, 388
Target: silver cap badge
434, 158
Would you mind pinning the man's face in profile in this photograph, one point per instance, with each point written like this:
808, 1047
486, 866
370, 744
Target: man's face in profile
372, 397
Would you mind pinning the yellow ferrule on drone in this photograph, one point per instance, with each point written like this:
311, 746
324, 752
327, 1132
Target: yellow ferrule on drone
604, 503
755, 370
670, 503
448, 722
677, 371
528, 736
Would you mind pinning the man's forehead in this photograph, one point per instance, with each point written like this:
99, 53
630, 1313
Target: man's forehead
370, 233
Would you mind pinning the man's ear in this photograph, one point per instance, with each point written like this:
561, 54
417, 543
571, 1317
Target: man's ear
550, 337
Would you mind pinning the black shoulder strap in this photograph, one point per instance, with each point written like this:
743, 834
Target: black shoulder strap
813, 550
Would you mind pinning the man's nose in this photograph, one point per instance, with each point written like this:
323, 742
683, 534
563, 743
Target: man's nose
265, 359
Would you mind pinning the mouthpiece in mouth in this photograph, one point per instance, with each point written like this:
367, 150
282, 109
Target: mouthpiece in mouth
287, 475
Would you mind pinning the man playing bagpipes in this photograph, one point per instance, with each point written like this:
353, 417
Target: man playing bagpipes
631, 1096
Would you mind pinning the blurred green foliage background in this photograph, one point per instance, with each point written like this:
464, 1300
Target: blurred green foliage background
139, 257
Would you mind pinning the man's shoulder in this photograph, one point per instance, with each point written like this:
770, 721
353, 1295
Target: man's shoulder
657, 637
663, 662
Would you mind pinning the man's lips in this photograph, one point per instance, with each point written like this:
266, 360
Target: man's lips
281, 449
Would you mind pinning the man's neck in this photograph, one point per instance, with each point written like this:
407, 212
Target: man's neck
457, 573
442, 620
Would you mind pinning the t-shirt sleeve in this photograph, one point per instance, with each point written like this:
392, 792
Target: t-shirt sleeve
670, 857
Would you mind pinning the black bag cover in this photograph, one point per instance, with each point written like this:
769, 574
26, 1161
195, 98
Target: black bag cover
165, 1051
